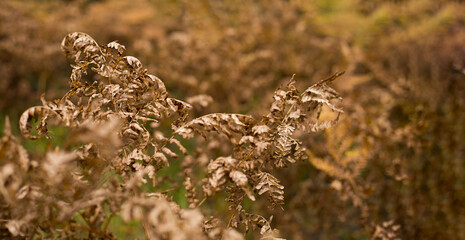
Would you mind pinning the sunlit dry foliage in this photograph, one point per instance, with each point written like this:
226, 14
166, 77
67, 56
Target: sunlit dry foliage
117, 144
392, 167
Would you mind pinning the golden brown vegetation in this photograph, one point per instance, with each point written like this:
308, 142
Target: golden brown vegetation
115, 128
392, 167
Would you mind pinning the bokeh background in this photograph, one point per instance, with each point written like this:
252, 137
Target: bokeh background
401, 140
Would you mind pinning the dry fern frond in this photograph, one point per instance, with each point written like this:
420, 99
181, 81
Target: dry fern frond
117, 124
269, 183
259, 144
42, 113
228, 124
288, 149
107, 118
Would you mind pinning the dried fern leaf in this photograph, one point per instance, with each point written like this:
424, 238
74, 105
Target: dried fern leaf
118, 47
268, 183
288, 149
218, 170
217, 122
80, 47
36, 113
321, 93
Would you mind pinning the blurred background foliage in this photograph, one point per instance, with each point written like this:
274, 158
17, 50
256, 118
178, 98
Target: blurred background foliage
401, 143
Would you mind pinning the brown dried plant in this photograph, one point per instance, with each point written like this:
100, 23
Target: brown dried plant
403, 101
117, 144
